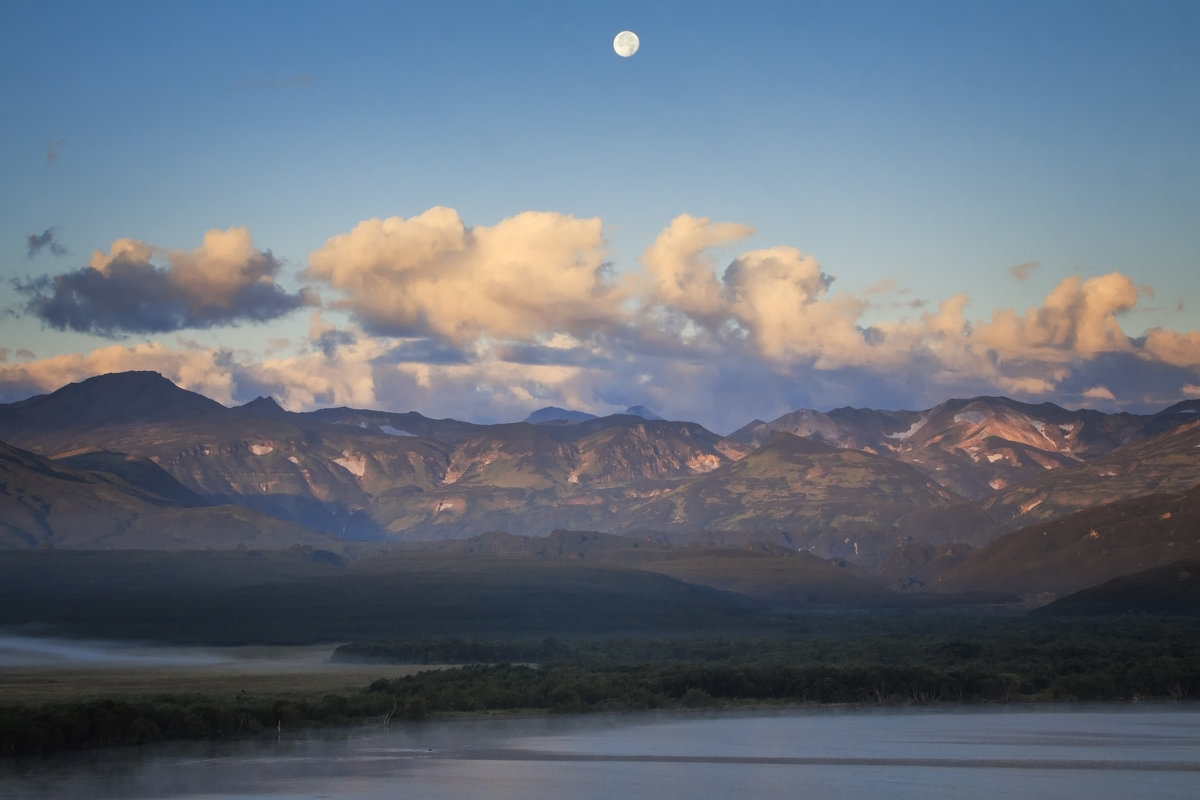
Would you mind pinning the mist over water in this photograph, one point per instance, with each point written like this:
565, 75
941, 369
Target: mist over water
1058, 752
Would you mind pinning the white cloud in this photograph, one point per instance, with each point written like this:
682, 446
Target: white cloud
681, 273
1171, 347
528, 276
1078, 318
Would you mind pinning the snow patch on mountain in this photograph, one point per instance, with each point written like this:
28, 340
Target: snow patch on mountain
355, 465
912, 429
390, 431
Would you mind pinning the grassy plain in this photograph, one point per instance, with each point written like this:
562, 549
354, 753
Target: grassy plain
220, 673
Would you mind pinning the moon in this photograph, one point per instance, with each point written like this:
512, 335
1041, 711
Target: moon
626, 43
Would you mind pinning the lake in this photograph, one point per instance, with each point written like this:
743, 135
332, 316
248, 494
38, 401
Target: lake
1026, 752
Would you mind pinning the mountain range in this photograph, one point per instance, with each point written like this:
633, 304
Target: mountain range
974, 495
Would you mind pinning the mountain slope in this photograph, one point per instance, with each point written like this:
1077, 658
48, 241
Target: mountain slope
1167, 462
878, 488
835, 503
1079, 550
779, 577
115, 398
1170, 589
368, 475
46, 504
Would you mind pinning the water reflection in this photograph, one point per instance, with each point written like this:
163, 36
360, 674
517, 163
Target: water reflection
1050, 753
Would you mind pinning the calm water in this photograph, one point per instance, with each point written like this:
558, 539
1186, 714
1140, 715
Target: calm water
1029, 753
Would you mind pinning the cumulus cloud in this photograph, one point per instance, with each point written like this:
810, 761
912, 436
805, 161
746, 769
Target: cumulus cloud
46, 240
775, 299
1172, 347
530, 275
680, 272
224, 281
1078, 318
779, 297
490, 322
769, 311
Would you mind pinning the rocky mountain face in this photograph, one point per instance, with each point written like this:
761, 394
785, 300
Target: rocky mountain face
1166, 462
978, 447
368, 474
903, 492
836, 503
105, 501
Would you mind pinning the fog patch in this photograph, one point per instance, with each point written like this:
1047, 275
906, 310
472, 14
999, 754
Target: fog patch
33, 651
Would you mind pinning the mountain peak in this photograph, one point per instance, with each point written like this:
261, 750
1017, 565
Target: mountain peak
116, 397
261, 407
1183, 407
641, 411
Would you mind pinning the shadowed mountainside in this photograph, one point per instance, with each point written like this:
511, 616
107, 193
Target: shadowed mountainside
1167, 590
1085, 548
44, 503
304, 595
771, 574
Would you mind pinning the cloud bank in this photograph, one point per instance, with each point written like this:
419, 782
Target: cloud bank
492, 322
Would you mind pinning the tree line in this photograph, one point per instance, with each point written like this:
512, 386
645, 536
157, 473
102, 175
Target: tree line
836, 660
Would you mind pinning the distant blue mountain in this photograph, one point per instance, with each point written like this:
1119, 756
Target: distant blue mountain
556, 414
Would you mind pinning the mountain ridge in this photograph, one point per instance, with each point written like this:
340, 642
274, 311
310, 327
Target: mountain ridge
906, 495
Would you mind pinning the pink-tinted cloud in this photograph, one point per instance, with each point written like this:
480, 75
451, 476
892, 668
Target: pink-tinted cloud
528, 276
680, 272
1099, 393
1077, 319
491, 322
1172, 347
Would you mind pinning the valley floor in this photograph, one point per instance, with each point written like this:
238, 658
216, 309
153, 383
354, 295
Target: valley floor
182, 693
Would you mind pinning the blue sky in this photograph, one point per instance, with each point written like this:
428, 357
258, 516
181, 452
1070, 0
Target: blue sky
769, 206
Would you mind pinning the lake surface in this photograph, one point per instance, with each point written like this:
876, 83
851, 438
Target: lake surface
1060, 753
